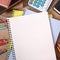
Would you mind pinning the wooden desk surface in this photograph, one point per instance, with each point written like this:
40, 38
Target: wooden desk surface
51, 10
56, 48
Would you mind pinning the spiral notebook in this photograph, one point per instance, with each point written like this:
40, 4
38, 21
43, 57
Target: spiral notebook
32, 37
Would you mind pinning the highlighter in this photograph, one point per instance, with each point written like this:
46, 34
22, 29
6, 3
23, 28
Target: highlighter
2, 27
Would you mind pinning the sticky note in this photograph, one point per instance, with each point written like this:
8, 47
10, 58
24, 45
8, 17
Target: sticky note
17, 13
50, 15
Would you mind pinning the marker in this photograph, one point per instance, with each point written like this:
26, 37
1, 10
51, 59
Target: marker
58, 49
2, 21
2, 27
2, 53
3, 42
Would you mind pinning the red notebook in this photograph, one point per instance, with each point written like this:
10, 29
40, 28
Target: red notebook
10, 5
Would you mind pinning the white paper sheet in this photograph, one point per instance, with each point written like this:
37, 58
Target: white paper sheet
32, 37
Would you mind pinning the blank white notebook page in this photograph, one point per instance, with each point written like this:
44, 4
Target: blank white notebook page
32, 38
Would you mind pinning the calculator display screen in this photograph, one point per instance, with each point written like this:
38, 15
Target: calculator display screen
57, 6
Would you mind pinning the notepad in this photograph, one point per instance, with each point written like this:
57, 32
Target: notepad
54, 23
32, 37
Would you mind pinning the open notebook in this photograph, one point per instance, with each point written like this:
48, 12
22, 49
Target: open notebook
32, 38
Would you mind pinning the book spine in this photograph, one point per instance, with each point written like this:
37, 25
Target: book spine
11, 40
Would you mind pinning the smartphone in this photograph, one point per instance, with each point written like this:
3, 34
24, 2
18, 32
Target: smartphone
57, 7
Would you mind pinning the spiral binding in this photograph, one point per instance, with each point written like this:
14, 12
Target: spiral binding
11, 40
9, 47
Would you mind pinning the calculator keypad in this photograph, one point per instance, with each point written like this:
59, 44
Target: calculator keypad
37, 3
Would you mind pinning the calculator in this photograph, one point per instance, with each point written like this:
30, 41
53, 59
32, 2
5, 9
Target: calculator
41, 5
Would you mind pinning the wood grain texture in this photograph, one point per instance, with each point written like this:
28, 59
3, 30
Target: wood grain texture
57, 51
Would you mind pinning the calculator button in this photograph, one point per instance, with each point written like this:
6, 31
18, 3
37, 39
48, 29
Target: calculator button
42, 4
37, 6
34, 4
30, 2
40, 0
